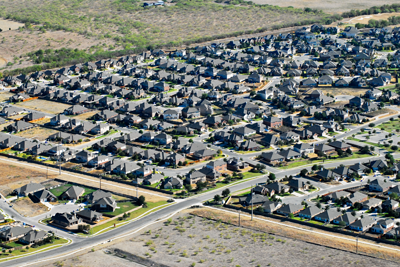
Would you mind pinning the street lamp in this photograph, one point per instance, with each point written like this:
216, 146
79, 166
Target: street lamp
251, 202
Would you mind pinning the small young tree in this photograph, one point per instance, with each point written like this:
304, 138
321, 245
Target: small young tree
217, 198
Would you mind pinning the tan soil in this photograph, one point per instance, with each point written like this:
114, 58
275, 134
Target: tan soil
4, 96
44, 106
86, 115
329, 6
195, 241
6, 25
340, 91
39, 133
14, 176
29, 209
317, 238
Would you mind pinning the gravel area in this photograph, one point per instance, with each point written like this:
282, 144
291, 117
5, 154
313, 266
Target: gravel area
188, 240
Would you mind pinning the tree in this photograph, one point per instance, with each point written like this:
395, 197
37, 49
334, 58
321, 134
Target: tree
353, 213
342, 224
226, 192
291, 216
141, 200
217, 198
188, 187
272, 176
190, 140
303, 172
319, 205
314, 167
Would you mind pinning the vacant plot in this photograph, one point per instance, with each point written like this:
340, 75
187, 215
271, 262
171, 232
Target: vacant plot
329, 6
16, 44
38, 133
86, 115
193, 241
365, 19
4, 96
49, 107
340, 91
27, 208
7, 25
14, 176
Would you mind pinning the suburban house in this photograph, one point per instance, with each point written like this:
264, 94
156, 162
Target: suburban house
28, 189
73, 193
65, 219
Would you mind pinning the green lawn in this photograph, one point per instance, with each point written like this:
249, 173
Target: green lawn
123, 208
59, 190
14, 244
247, 175
57, 242
389, 126
111, 132
133, 215
307, 162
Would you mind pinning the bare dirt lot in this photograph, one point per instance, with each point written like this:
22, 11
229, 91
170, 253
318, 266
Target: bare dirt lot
7, 25
86, 115
44, 106
38, 133
365, 19
329, 6
4, 96
194, 241
14, 176
27, 208
340, 91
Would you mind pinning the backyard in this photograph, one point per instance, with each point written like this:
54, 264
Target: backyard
58, 191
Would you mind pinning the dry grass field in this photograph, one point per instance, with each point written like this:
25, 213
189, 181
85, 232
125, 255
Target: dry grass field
330, 6
4, 96
195, 241
16, 175
113, 25
86, 115
38, 133
45, 106
340, 91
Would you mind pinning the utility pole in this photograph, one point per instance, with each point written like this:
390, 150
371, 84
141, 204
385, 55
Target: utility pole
251, 202
137, 191
47, 173
239, 216
100, 181
357, 245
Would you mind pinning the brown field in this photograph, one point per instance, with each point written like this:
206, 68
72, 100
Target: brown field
3, 126
365, 19
15, 175
38, 133
340, 91
4, 96
195, 241
86, 115
18, 43
27, 208
111, 25
329, 6
44, 121
111, 186
44, 106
